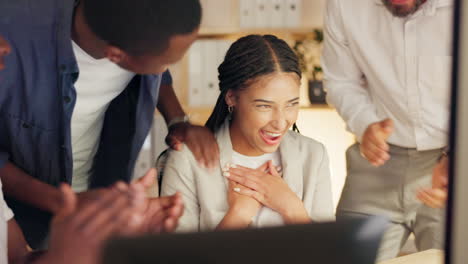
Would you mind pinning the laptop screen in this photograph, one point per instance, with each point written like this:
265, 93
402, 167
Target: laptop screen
351, 241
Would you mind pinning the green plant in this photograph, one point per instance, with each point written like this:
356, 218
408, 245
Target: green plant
308, 50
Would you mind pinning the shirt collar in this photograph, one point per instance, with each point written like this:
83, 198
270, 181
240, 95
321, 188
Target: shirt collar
66, 57
435, 3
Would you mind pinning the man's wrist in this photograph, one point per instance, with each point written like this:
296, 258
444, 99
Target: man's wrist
360, 126
57, 201
177, 120
445, 154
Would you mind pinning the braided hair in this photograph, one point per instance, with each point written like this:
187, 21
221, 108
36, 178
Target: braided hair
248, 58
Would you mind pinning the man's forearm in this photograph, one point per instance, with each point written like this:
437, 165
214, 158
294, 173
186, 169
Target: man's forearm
17, 245
23, 187
168, 104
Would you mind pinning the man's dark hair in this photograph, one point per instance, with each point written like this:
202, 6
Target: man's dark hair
141, 27
247, 59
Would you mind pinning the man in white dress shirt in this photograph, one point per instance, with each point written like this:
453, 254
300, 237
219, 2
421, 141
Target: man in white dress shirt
387, 66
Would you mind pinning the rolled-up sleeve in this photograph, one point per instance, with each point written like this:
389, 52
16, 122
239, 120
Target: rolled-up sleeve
343, 79
166, 78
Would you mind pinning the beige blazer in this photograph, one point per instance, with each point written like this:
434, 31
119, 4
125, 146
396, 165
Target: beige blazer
305, 169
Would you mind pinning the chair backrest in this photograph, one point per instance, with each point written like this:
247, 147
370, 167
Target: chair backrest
160, 164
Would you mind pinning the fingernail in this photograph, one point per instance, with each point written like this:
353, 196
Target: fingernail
225, 169
278, 168
226, 174
233, 166
121, 186
236, 189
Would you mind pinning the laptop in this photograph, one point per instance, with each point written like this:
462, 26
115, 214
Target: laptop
350, 241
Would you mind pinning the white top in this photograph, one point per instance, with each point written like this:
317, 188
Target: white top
265, 216
99, 82
378, 66
5, 215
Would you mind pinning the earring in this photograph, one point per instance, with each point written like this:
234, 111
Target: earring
230, 110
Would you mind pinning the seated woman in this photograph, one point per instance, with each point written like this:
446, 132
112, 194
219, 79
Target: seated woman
268, 174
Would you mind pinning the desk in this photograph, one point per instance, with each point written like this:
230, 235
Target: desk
432, 256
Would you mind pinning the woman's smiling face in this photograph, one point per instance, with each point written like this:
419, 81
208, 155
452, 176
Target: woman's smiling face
263, 112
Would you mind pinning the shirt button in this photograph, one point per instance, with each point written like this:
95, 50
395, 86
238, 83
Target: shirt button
66, 99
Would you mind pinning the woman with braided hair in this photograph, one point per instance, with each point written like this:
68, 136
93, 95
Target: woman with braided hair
268, 174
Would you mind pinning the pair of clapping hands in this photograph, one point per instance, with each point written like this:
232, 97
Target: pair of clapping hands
375, 149
81, 226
